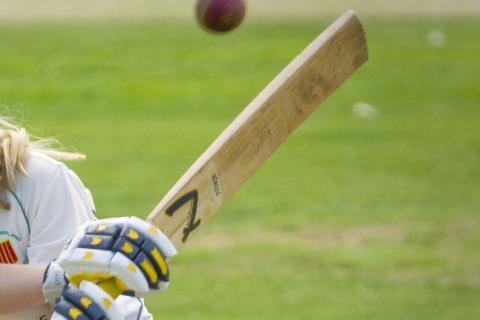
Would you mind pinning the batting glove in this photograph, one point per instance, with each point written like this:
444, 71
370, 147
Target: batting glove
90, 302
129, 252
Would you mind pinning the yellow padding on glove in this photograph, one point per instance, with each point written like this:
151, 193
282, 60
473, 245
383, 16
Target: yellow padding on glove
148, 268
74, 313
160, 261
86, 302
96, 241
127, 248
112, 285
132, 234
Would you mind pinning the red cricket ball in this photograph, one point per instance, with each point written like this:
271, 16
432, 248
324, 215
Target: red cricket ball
220, 15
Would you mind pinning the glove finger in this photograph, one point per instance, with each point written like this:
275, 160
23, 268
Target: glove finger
145, 254
158, 237
89, 302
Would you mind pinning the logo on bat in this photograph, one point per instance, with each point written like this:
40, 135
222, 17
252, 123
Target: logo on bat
191, 197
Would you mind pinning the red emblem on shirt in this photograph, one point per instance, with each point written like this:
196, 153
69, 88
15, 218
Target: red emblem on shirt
7, 253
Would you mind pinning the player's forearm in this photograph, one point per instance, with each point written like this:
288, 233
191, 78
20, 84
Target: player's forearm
20, 287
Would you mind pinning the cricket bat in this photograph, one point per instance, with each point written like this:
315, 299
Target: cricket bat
261, 128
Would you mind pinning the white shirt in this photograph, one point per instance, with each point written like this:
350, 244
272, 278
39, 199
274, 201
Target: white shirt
46, 208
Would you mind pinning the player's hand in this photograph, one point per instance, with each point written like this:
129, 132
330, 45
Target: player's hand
128, 253
90, 302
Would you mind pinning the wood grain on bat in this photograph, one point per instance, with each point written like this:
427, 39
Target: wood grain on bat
262, 126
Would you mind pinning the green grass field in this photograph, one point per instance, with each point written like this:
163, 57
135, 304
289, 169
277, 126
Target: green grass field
351, 219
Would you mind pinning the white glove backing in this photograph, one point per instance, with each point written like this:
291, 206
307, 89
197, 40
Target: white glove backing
129, 251
54, 281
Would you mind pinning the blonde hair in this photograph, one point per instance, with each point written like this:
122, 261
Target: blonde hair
15, 146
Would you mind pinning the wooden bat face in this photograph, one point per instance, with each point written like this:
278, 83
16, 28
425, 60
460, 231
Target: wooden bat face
261, 127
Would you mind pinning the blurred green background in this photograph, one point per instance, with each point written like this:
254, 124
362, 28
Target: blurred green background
369, 211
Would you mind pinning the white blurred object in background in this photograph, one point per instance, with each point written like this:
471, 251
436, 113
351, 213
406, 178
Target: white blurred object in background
436, 38
364, 110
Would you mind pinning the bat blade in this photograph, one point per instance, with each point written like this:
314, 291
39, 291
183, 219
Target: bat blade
260, 128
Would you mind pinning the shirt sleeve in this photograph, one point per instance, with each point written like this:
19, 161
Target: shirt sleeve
64, 205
